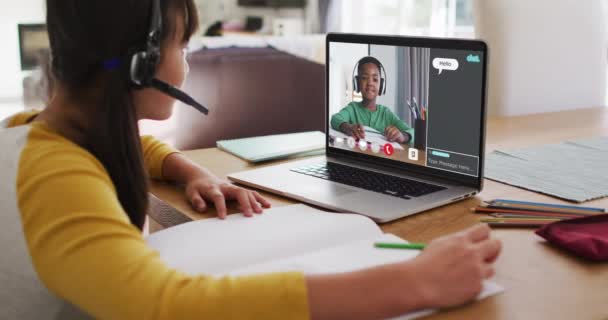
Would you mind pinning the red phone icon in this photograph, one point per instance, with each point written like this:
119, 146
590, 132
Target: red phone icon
388, 149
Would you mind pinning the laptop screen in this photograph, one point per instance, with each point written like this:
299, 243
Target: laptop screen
412, 104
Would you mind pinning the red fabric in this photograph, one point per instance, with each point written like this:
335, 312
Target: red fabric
585, 237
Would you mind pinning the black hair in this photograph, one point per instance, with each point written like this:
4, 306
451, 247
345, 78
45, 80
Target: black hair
85, 34
369, 59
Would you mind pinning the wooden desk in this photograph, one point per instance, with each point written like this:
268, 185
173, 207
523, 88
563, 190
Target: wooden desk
541, 282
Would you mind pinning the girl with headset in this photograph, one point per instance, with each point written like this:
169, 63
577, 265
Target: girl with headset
75, 195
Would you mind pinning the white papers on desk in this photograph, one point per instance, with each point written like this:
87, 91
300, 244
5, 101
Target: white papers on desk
372, 136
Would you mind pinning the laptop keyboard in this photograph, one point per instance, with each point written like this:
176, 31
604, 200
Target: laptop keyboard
369, 180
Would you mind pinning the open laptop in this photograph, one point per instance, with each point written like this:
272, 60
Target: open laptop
405, 128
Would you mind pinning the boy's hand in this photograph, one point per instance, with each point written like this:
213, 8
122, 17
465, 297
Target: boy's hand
393, 134
202, 190
354, 130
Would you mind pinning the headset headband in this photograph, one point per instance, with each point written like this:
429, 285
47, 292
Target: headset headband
156, 27
144, 63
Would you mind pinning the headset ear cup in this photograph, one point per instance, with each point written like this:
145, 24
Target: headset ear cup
381, 91
152, 60
356, 84
143, 68
136, 69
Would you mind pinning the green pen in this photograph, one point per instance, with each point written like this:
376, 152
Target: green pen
410, 246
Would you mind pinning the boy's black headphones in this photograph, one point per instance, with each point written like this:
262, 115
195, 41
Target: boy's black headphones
370, 59
143, 64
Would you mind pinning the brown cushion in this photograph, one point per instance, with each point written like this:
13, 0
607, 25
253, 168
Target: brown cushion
250, 92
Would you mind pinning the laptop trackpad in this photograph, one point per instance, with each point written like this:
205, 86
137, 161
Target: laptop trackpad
325, 190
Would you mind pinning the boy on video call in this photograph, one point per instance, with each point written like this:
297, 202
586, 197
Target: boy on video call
351, 119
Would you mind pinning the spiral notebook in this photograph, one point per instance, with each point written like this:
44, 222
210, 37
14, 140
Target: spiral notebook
264, 148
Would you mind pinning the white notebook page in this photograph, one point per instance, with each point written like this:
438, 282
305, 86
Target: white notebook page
214, 245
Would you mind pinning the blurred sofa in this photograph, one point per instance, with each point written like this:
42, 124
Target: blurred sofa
250, 92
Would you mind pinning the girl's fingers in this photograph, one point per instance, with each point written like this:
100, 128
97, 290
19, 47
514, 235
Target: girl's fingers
265, 203
196, 200
254, 203
478, 232
243, 198
220, 203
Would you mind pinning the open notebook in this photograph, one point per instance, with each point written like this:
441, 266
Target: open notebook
288, 238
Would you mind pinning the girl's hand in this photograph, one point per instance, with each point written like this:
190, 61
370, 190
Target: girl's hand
204, 190
451, 269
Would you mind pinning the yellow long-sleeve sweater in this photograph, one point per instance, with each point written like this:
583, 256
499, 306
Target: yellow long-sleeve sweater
77, 241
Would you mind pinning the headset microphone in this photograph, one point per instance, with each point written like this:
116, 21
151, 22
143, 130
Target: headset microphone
177, 94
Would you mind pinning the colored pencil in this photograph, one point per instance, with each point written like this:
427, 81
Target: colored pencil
516, 216
390, 245
515, 220
542, 209
545, 206
537, 207
577, 214
555, 214
515, 224
540, 215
